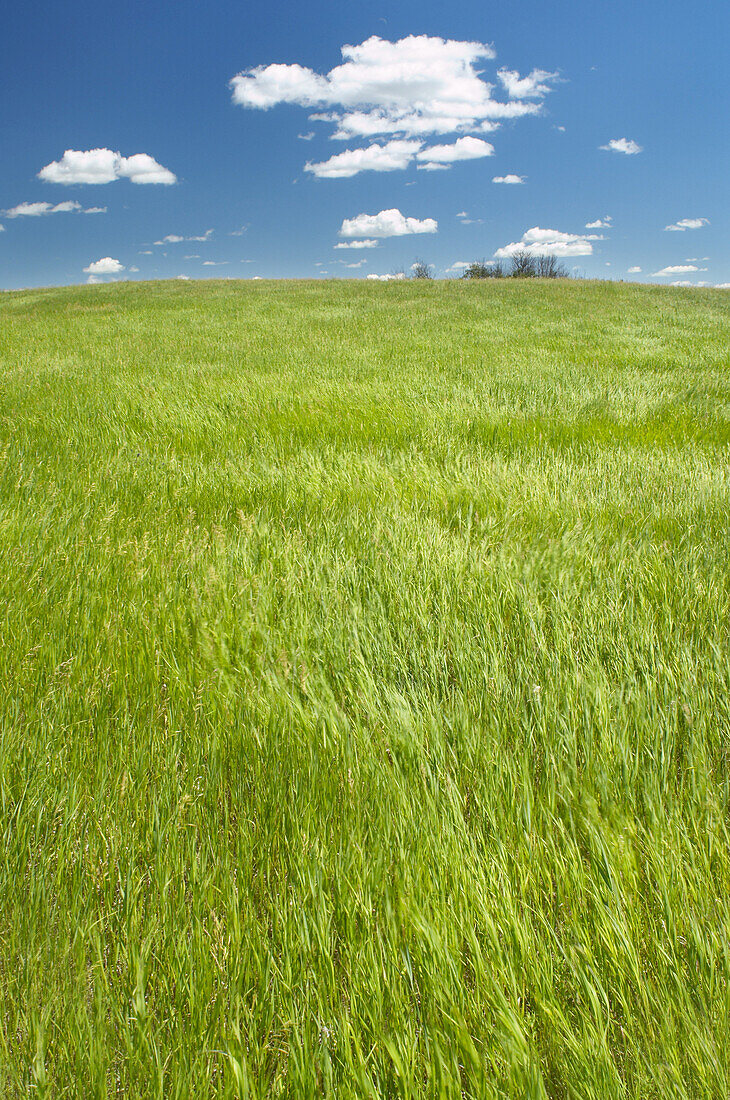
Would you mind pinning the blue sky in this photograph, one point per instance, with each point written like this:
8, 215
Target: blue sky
446, 97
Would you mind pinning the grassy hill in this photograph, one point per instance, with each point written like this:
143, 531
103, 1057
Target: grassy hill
365, 691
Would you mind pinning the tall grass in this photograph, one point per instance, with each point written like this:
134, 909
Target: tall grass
365, 690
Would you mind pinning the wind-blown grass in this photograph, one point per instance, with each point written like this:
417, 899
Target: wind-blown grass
366, 696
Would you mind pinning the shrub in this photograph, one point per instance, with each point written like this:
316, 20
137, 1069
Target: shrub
484, 270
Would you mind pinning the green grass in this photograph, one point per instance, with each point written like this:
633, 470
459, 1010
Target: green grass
365, 691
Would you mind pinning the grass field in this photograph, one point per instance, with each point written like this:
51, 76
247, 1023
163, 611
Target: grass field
365, 691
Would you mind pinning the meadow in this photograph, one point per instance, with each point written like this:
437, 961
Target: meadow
365, 721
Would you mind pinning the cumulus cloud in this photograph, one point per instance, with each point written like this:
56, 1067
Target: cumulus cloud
722, 286
550, 242
413, 87
395, 277
534, 86
459, 265
601, 223
357, 244
622, 145
375, 158
677, 269
95, 210
634, 270
105, 266
511, 178
104, 166
388, 223
686, 223
464, 148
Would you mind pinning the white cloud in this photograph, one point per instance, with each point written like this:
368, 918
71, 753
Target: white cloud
175, 238
433, 167
357, 244
634, 270
388, 223
306, 137
550, 242
601, 223
463, 214
215, 263
464, 148
682, 282
358, 264
416, 86
133, 268
622, 145
396, 277
696, 259
677, 269
459, 265
511, 178
185, 278
533, 86
93, 279
105, 266
36, 209
722, 286
686, 223
375, 158
104, 166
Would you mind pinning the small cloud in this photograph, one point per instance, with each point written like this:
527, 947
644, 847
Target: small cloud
464, 148
194, 256
105, 266
697, 259
550, 242
146, 252
388, 223
601, 223
238, 232
682, 282
390, 157
509, 179
358, 264
722, 286
462, 214
171, 238
134, 269
394, 278
185, 278
460, 265
104, 166
95, 210
306, 137
686, 223
623, 145
357, 244
677, 269
634, 270
38, 209
205, 237
560, 129
533, 86
215, 263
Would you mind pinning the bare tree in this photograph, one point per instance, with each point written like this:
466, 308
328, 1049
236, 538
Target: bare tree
523, 265
421, 270
547, 267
